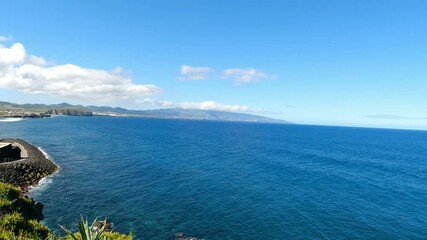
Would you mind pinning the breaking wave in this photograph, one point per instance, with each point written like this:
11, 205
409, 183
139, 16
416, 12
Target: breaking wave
11, 119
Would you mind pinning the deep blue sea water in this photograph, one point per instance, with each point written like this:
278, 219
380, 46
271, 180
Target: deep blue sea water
224, 180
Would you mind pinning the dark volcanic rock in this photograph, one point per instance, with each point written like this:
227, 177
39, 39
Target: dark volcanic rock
183, 236
70, 112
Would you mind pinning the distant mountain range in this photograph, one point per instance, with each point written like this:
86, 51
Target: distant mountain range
13, 109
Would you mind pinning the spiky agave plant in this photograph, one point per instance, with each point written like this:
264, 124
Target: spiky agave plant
85, 231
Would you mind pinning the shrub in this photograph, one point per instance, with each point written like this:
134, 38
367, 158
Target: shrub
19, 217
20, 227
8, 196
12, 200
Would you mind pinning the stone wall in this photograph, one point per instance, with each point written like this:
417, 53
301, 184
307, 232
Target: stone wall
9, 153
28, 171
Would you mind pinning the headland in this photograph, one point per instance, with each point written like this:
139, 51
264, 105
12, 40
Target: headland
23, 164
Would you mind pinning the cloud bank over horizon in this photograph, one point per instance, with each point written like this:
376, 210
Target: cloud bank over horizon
205, 105
32, 74
393, 117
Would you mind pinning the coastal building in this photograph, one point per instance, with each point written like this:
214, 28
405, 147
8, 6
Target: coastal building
8, 152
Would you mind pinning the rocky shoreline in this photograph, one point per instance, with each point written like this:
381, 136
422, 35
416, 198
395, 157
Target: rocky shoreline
28, 171
27, 115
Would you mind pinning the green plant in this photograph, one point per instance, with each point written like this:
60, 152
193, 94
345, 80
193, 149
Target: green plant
12, 200
8, 195
86, 232
19, 221
93, 232
15, 226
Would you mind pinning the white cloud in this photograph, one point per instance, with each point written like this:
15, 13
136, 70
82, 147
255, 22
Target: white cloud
5, 38
245, 75
32, 74
240, 76
205, 105
11, 56
194, 73
159, 103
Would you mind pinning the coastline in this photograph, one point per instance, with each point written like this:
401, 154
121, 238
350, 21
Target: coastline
27, 172
45, 180
32, 190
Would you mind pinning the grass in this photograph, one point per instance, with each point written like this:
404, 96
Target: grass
16, 225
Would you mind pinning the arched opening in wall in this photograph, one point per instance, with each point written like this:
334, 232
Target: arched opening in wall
9, 152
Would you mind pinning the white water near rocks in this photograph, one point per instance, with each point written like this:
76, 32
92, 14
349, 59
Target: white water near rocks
44, 182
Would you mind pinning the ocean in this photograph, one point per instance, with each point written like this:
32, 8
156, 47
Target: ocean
230, 180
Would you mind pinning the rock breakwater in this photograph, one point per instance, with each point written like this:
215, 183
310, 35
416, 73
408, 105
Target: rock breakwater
27, 171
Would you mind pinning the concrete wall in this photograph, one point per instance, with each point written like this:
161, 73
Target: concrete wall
9, 153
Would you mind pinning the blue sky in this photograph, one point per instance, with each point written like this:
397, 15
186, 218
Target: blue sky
355, 63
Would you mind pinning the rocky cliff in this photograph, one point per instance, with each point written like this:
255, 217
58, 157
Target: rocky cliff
69, 112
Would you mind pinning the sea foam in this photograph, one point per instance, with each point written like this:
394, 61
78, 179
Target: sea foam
44, 182
11, 119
